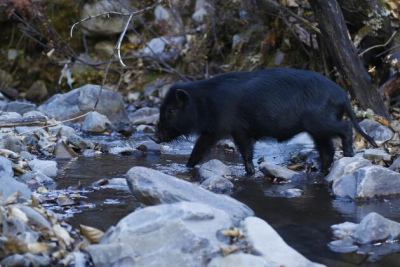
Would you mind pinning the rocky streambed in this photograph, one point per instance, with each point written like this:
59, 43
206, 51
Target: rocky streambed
103, 172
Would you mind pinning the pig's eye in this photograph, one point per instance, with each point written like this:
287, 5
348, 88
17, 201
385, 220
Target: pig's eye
171, 110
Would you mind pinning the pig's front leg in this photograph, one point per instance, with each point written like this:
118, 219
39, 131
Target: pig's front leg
203, 144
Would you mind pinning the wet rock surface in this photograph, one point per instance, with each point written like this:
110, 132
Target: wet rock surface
152, 187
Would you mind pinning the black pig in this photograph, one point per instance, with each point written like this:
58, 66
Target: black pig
277, 102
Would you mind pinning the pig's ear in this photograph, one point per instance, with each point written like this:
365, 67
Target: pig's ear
182, 97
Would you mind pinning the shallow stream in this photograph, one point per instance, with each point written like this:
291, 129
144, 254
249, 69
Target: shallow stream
303, 222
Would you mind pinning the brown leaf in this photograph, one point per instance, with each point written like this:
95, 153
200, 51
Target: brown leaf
92, 234
12, 198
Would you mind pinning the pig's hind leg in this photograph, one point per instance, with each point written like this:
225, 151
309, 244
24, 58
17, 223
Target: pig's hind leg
245, 145
203, 144
326, 151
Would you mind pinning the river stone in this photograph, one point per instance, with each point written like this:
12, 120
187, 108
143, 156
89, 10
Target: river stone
264, 241
395, 166
218, 184
19, 107
344, 166
146, 129
96, 123
78, 142
376, 154
10, 142
149, 146
376, 130
180, 234
63, 151
81, 100
212, 168
165, 49
152, 187
37, 91
102, 26
375, 228
239, 260
62, 131
271, 169
291, 192
47, 167
10, 186
35, 218
27, 259
368, 182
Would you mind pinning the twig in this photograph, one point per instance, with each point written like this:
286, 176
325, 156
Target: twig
118, 46
57, 123
376, 46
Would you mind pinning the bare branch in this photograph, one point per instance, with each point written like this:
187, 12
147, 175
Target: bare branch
376, 46
118, 46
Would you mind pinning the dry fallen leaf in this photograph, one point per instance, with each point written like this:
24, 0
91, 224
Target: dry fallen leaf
62, 234
19, 214
233, 232
36, 248
92, 234
226, 250
12, 198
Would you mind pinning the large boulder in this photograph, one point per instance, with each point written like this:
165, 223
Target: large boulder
81, 100
152, 187
181, 234
344, 166
368, 182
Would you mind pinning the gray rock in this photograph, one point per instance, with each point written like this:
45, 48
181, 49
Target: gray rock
62, 131
19, 107
152, 187
104, 48
63, 151
102, 26
271, 169
96, 123
10, 116
78, 142
375, 228
181, 234
47, 167
344, 166
5, 168
376, 130
38, 176
218, 184
37, 91
377, 154
212, 168
395, 166
45, 145
263, 240
28, 156
10, 142
149, 146
239, 260
144, 115
372, 229
166, 49
81, 100
368, 182
34, 114
8, 185
35, 218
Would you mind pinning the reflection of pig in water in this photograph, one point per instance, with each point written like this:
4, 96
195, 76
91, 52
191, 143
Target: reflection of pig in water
247, 106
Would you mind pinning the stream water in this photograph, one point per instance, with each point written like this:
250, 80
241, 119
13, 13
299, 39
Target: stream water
303, 222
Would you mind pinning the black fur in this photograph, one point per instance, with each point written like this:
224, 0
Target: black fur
247, 106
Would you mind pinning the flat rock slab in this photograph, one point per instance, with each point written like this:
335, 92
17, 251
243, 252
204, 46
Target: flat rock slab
180, 234
152, 187
273, 170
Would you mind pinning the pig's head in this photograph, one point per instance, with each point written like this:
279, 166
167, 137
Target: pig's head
176, 116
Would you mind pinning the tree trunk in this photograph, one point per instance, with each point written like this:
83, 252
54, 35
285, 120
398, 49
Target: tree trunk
342, 51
